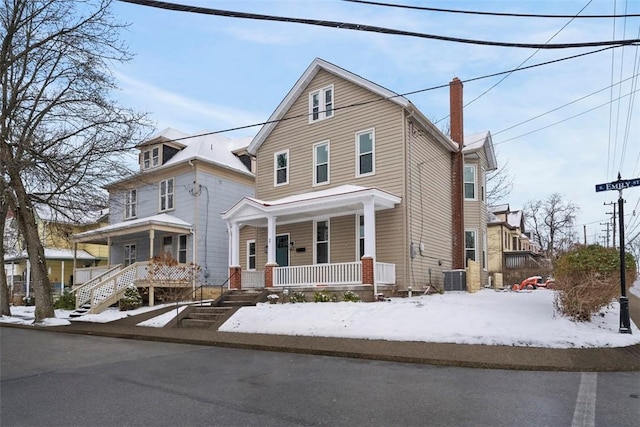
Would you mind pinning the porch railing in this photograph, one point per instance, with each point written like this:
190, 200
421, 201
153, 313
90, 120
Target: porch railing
385, 273
83, 292
83, 275
347, 273
109, 288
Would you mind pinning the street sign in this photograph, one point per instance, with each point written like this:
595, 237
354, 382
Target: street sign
620, 184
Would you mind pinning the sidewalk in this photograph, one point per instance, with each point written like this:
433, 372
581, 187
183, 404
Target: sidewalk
473, 356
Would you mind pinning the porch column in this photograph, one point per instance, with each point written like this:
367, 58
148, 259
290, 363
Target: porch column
109, 243
368, 259
271, 240
235, 274
152, 235
271, 252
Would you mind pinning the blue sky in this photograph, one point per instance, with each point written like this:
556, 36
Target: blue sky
197, 72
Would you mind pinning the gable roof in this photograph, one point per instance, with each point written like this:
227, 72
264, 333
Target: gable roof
312, 70
481, 141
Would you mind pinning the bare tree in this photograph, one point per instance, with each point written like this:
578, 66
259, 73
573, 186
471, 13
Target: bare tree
5, 309
552, 222
62, 136
499, 185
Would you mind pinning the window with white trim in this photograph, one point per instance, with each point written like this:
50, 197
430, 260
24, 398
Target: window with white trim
166, 195
251, 254
182, 249
281, 168
130, 204
365, 153
321, 104
322, 241
129, 254
321, 163
151, 158
469, 182
469, 246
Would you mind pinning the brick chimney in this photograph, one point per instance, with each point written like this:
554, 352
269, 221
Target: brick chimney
457, 171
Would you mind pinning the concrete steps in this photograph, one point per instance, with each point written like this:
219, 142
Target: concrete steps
205, 317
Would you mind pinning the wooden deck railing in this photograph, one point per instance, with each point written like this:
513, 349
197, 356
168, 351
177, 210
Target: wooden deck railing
345, 273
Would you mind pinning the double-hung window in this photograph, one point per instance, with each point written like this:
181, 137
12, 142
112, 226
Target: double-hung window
470, 182
321, 163
251, 254
281, 168
166, 195
321, 104
365, 153
322, 242
151, 158
469, 245
130, 204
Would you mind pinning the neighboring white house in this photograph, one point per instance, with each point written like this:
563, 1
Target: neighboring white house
172, 205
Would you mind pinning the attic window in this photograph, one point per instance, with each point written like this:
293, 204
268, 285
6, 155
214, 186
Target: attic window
151, 158
321, 104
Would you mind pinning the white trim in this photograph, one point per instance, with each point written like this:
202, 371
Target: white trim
475, 182
169, 195
255, 255
315, 163
372, 131
275, 168
128, 204
485, 250
315, 241
323, 112
358, 237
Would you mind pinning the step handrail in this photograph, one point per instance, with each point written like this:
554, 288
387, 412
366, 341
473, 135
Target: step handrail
83, 292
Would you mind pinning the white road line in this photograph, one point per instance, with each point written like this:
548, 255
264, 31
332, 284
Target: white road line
585, 412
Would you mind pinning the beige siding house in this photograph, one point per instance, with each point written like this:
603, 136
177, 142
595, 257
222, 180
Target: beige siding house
353, 188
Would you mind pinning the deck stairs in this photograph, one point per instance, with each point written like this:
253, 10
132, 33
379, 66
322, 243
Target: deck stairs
214, 315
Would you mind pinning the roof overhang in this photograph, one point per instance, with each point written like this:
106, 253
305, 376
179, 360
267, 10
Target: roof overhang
162, 222
337, 201
55, 254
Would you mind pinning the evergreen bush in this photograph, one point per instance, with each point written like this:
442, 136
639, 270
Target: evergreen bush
325, 296
298, 297
350, 296
131, 299
66, 302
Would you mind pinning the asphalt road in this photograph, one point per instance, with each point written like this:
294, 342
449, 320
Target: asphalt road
52, 379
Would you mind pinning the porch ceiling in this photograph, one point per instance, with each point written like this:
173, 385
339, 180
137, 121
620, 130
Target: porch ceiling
342, 200
162, 222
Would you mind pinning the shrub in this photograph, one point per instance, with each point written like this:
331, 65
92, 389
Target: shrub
588, 279
273, 298
298, 297
350, 296
325, 296
131, 299
67, 301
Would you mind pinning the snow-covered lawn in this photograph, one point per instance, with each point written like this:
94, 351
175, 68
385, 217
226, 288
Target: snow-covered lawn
485, 317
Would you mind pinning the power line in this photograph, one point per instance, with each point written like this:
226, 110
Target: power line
469, 12
367, 28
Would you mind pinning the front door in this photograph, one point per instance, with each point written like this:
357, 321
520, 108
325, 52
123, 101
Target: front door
282, 250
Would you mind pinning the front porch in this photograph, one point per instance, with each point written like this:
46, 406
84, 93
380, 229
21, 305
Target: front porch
321, 238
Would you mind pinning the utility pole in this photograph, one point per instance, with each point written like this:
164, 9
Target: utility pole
607, 235
613, 215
